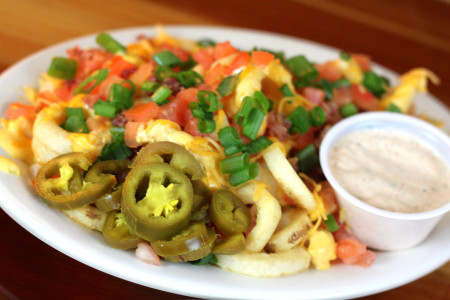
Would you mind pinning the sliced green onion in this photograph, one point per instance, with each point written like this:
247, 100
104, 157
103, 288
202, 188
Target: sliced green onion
317, 116
257, 145
110, 44
206, 125
393, 108
343, 82
326, 86
263, 102
106, 109
188, 65
286, 90
149, 86
121, 96
345, 55
117, 131
95, 79
230, 140
63, 68
162, 73
244, 175
116, 150
167, 59
235, 163
75, 121
300, 120
206, 43
189, 78
227, 85
208, 101
302, 68
244, 111
253, 123
331, 223
211, 258
161, 94
307, 158
348, 110
375, 84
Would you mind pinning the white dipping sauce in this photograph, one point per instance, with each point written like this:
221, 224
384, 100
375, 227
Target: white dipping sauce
391, 170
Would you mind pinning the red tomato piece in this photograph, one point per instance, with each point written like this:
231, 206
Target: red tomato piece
223, 49
215, 75
314, 95
17, 109
174, 111
204, 57
303, 140
88, 60
241, 60
363, 61
142, 112
363, 99
129, 136
118, 65
367, 259
350, 250
329, 71
262, 58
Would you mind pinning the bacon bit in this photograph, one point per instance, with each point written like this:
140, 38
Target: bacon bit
331, 110
342, 96
276, 129
328, 197
119, 121
126, 73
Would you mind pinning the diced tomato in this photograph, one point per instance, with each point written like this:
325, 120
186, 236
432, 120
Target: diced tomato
142, 112
104, 88
342, 96
129, 136
241, 60
47, 98
314, 95
363, 61
175, 111
341, 233
117, 65
328, 197
88, 60
363, 99
89, 100
367, 259
65, 92
350, 250
215, 75
223, 49
262, 58
192, 129
204, 57
141, 74
289, 200
328, 71
303, 140
17, 109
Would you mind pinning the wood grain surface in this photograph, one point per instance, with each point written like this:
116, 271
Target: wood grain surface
399, 34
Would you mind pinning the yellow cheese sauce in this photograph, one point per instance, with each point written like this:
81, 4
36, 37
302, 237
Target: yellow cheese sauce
391, 170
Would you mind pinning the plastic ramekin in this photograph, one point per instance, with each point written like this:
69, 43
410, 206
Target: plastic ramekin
381, 229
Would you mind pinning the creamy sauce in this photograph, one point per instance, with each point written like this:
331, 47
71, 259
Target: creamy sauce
391, 170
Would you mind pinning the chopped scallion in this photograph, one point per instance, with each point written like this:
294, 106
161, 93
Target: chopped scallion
300, 120
75, 121
235, 163
345, 55
307, 158
244, 111
348, 110
344, 82
206, 125
121, 96
302, 68
244, 175
252, 124
111, 45
162, 72
262, 101
63, 68
393, 108
327, 87
206, 43
317, 116
161, 94
189, 78
166, 58
286, 91
106, 109
92, 80
257, 145
331, 223
117, 149
208, 101
227, 85
230, 140
149, 86
375, 84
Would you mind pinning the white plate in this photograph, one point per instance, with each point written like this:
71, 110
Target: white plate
390, 270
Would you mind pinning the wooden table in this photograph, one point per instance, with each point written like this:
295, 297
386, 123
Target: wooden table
398, 34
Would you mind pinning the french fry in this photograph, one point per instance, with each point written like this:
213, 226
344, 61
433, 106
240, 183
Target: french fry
291, 231
266, 265
268, 215
286, 177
